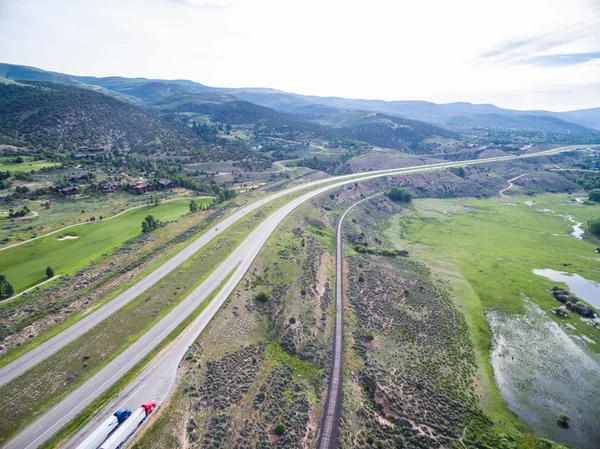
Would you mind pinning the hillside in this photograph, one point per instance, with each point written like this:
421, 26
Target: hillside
148, 91
55, 115
536, 123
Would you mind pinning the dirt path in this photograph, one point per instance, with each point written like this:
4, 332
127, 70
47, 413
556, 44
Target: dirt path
510, 185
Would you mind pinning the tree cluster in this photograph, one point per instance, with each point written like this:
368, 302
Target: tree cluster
150, 224
6, 288
399, 195
593, 224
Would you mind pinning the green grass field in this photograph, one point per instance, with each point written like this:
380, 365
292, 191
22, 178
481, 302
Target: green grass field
28, 165
484, 252
25, 264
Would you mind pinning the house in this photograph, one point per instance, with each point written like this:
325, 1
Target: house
83, 156
109, 187
140, 187
66, 191
92, 149
165, 183
76, 178
106, 187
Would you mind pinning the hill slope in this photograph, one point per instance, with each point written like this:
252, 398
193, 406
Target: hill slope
56, 115
536, 123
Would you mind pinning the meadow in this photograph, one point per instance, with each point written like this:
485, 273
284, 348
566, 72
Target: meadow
67, 251
483, 252
26, 166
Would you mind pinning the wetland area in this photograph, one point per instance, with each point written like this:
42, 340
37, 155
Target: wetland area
502, 265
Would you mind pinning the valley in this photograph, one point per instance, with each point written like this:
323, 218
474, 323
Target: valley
164, 240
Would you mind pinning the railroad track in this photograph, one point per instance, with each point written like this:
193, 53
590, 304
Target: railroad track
329, 432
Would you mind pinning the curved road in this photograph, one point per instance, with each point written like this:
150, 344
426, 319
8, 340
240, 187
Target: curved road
156, 381
328, 435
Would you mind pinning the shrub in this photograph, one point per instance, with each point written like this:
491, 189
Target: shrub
6, 288
261, 297
292, 320
563, 420
594, 195
593, 225
370, 336
49, 272
279, 429
399, 195
150, 224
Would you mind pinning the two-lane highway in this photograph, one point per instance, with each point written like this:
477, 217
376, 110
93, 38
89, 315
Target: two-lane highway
156, 381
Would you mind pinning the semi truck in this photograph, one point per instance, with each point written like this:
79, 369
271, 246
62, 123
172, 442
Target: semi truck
105, 429
120, 436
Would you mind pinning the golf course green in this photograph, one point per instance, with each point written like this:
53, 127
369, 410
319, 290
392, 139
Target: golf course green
25, 265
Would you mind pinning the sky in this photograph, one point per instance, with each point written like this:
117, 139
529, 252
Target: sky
521, 54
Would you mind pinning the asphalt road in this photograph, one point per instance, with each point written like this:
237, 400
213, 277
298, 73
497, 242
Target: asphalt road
156, 380
54, 344
329, 432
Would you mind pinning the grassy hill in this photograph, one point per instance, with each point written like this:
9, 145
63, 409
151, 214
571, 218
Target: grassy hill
61, 116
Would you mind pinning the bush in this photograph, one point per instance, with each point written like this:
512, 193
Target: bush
49, 272
399, 195
593, 225
279, 429
292, 320
6, 288
261, 297
149, 224
370, 336
563, 420
594, 195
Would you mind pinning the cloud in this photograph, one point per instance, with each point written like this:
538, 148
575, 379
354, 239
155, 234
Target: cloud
194, 4
562, 60
574, 44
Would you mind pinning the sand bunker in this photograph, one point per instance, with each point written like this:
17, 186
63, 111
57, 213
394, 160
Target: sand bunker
68, 237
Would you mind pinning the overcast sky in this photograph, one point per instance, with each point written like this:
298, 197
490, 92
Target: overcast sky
524, 54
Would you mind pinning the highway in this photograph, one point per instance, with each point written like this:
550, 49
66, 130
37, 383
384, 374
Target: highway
54, 344
156, 381
329, 432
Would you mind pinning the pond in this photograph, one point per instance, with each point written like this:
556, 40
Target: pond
585, 289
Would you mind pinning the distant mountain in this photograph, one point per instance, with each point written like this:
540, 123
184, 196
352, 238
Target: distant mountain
536, 123
182, 103
56, 115
441, 114
149, 92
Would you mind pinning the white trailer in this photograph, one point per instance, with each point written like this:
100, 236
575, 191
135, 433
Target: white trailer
100, 434
128, 428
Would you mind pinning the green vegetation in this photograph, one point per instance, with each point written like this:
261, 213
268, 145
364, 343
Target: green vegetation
594, 195
25, 264
399, 195
6, 288
261, 297
563, 420
193, 206
593, 224
64, 371
28, 164
49, 272
486, 251
150, 224
50, 120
